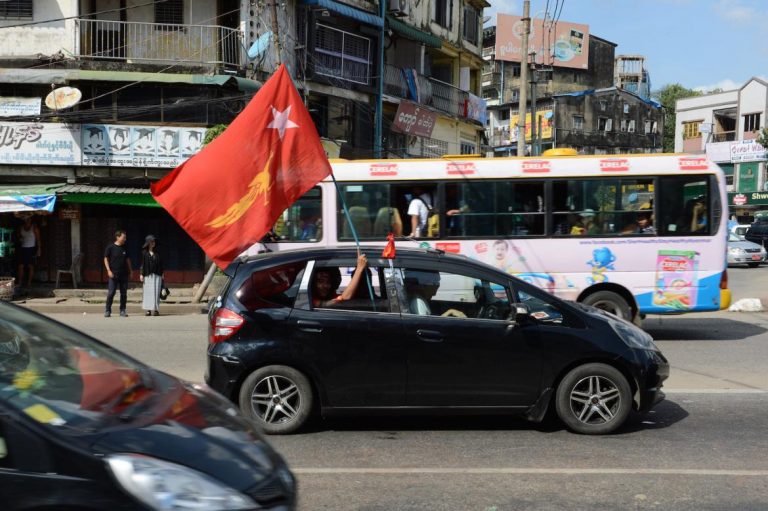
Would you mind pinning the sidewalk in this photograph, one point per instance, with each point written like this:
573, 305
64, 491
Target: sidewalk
46, 300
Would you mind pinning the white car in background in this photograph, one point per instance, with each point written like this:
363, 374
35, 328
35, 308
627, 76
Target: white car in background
740, 230
741, 251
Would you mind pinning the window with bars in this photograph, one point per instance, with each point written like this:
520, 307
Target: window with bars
16, 10
170, 12
342, 55
467, 147
471, 24
578, 122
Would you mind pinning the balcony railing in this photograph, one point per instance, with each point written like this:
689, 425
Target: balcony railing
210, 45
440, 95
724, 136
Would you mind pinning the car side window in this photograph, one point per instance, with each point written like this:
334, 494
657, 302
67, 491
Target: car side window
271, 287
448, 294
539, 307
329, 283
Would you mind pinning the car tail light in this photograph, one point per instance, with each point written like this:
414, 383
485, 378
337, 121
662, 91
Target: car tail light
224, 324
724, 280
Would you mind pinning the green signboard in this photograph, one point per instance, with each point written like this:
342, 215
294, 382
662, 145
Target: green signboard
748, 177
748, 199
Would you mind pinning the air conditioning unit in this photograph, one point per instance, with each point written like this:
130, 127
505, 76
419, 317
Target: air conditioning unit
398, 8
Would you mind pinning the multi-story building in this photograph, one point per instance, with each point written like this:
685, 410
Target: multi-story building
631, 75
724, 125
576, 107
154, 76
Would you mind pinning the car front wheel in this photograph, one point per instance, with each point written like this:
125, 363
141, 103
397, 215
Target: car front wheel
593, 399
278, 398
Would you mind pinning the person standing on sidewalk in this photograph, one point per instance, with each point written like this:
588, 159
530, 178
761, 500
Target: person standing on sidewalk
151, 274
29, 237
119, 270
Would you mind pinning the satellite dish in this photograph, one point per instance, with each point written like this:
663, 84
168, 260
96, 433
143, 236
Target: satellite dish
260, 46
63, 97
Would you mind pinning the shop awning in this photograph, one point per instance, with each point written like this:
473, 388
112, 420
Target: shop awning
117, 196
348, 11
28, 198
413, 33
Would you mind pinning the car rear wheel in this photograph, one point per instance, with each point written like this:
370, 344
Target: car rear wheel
278, 398
610, 302
593, 399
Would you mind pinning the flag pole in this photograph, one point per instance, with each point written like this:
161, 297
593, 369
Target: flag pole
354, 233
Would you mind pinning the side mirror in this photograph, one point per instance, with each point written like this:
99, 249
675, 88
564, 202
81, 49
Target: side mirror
521, 309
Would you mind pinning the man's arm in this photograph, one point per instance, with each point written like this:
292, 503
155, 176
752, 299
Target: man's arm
106, 265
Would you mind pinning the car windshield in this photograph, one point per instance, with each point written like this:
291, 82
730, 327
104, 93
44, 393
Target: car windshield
62, 378
733, 237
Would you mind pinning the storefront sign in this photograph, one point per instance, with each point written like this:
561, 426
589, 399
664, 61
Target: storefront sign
39, 143
17, 107
719, 152
748, 199
414, 120
139, 146
69, 212
747, 150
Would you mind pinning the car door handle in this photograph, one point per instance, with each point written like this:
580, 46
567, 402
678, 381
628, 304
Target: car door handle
429, 335
309, 326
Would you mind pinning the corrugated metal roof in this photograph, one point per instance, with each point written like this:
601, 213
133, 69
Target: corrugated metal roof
100, 189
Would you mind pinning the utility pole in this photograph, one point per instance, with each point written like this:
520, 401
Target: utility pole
276, 32
378, 146
523, 101
534, 144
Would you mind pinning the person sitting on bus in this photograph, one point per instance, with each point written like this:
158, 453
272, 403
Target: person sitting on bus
310, 219
586, 224
326, 284
698, 215
643, 224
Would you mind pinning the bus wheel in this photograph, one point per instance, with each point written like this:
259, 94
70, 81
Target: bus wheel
610, 302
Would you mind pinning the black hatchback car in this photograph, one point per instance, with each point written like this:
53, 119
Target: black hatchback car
758, 233
85, 427
427, 331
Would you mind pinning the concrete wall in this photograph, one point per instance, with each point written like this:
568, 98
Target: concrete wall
699, 108
753, 98
45, 38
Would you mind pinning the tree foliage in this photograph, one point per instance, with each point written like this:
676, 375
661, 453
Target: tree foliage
762, 138
213, 132
667, 96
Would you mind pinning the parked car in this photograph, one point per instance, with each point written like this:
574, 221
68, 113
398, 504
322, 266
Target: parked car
83, 426
432, 332
744, 252
757, 233
740, 230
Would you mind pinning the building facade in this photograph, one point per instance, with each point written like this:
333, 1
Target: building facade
153, 77
724, 125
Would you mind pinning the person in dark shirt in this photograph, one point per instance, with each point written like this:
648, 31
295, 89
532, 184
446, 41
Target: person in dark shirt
151, 274
119, 270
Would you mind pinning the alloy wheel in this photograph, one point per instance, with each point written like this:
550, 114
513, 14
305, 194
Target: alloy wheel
595, 400
276, 399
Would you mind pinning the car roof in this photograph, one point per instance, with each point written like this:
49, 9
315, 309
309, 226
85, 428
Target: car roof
372, 251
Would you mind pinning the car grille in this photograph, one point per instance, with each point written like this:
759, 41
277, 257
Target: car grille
752, 250
269, 492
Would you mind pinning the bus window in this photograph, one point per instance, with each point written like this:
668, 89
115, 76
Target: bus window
302, 220
371, 211
684, 205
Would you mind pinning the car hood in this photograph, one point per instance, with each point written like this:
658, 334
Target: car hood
200, 430
744, 245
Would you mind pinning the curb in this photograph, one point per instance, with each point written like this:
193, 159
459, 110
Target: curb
133, 309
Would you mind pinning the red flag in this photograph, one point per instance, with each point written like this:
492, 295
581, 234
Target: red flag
389, 250
229, 195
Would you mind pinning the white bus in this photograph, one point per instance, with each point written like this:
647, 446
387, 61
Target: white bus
633, 234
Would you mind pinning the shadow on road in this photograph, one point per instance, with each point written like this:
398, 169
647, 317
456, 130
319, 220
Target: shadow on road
665, 414
700, 329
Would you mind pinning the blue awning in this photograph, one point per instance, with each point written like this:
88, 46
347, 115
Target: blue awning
348, 11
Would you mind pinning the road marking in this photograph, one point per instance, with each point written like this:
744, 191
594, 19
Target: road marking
715, 391
530, 471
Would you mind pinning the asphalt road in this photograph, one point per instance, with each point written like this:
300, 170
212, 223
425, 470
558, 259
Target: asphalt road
704, 448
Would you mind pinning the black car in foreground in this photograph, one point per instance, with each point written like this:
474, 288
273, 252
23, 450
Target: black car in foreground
85, 427
426, 332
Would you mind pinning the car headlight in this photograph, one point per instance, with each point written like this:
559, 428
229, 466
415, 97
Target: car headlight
633, 336
736, 251
163, 485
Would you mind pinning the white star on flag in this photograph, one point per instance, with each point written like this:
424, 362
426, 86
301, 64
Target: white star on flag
281, 122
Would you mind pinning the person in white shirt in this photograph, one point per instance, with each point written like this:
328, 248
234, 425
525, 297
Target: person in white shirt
29, 237
418, 210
